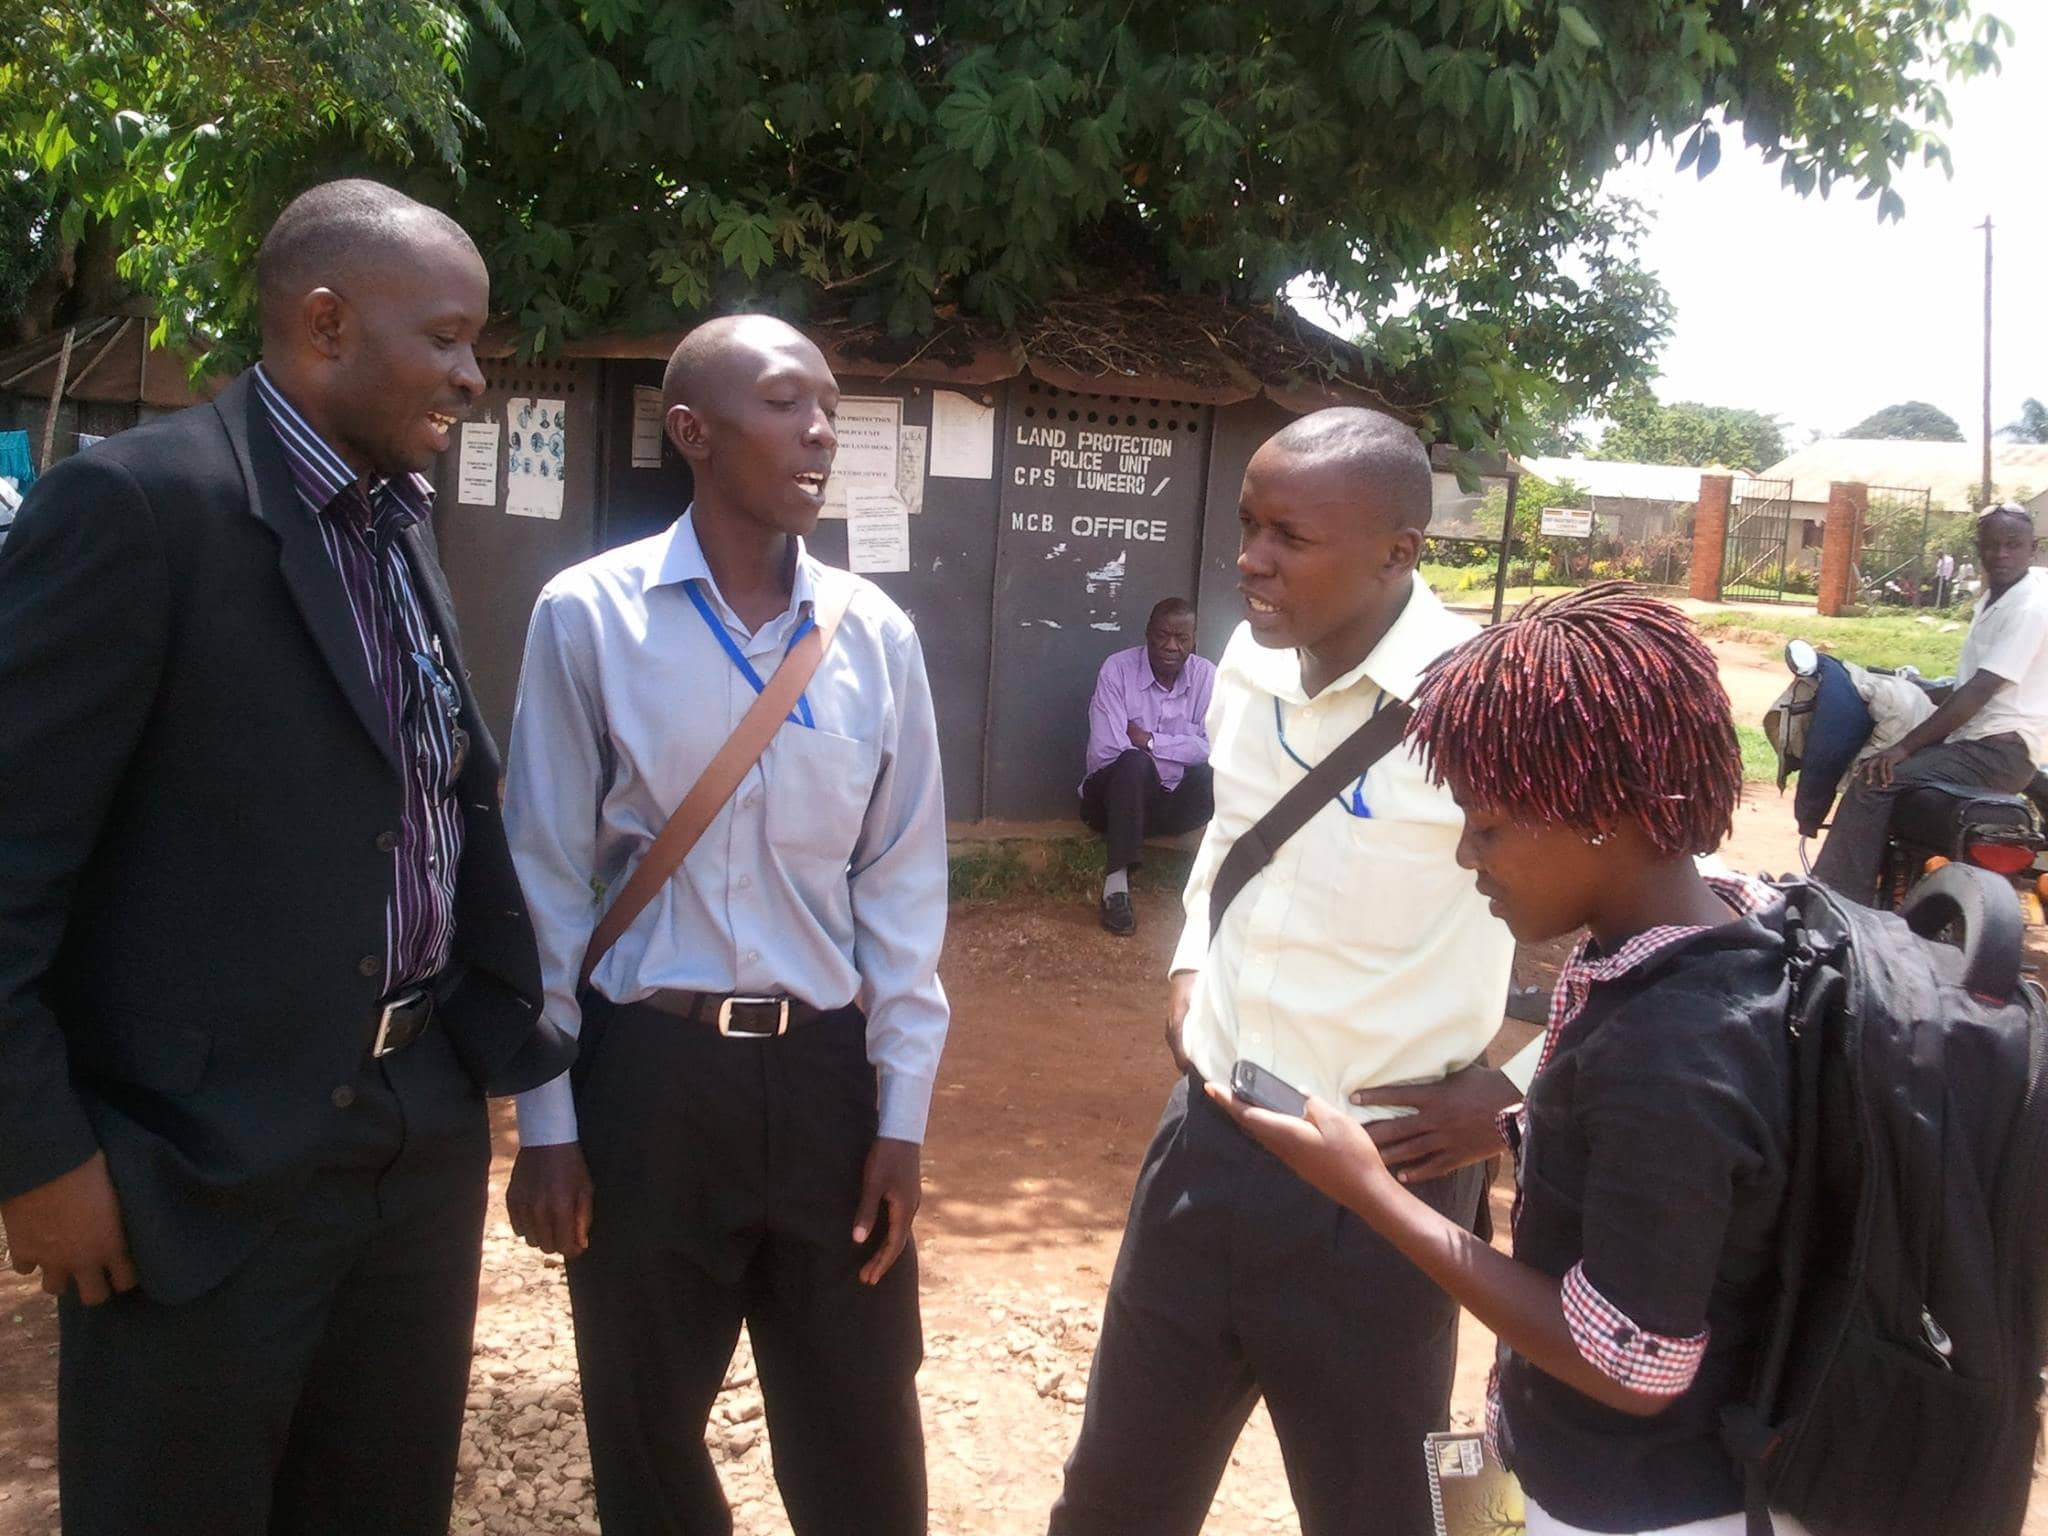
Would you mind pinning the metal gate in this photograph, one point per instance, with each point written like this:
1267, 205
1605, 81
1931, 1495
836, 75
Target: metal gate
1759, 527
1894, 563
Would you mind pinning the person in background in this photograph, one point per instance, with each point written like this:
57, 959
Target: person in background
1148, 750
1944, 579
1991, 730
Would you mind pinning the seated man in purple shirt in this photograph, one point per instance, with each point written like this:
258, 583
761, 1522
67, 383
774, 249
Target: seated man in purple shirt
1148, 749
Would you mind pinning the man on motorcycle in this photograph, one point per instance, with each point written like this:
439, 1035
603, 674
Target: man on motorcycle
1989, 732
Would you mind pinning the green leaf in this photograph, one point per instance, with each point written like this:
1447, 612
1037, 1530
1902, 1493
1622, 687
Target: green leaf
1581, 31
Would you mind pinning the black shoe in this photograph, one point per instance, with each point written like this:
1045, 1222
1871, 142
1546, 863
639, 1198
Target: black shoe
1117, 915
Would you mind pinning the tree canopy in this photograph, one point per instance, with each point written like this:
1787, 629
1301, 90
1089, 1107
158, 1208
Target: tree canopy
1914, 419
176, 129
1432, 165
2031, 425
1645, 432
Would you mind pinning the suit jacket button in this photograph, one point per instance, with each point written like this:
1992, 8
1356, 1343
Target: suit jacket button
369, 965
343, 1096
386, 841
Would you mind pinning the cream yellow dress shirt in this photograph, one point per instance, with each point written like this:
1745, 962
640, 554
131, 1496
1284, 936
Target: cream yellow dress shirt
1362, 956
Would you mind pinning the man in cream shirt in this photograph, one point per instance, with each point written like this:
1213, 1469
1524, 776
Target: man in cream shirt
1361, 957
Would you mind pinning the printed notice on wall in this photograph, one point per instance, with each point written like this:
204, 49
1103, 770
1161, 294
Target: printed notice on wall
535, 443
869, 431
646, 427
478, 485
877, 531
963, 437
910, 469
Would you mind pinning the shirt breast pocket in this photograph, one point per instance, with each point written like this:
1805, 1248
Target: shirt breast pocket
819, 786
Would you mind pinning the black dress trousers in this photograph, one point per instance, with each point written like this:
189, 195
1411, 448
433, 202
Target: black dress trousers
727, 1176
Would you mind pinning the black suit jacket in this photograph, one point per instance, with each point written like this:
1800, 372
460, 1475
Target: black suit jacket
194, 774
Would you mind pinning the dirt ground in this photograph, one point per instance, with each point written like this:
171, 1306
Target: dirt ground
1052, 1081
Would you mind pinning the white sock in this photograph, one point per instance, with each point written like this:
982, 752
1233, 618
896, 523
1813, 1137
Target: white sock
1118, 884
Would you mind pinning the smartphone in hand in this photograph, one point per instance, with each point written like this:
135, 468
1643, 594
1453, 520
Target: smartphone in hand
1261, 1089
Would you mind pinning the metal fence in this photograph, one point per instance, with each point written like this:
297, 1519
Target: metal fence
1900, 539
1759, 531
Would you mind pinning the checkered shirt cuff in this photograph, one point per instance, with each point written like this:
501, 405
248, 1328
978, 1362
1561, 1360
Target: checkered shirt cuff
1651, 1363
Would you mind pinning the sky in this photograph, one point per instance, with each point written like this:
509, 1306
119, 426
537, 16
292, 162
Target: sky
1809, 309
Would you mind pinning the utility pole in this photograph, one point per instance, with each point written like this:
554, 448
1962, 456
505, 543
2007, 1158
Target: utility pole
1986, 227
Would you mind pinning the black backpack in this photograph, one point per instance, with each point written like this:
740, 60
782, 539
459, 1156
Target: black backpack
1898, 1392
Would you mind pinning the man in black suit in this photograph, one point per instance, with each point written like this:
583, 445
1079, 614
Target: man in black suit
262, 951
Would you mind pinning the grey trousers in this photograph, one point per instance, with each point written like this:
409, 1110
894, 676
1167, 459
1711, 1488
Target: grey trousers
1237, 1280
1850, 858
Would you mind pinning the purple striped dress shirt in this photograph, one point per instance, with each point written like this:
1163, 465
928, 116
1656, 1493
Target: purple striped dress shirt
359, 526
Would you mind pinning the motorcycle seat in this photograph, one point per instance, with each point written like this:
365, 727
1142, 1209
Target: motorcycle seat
1939, 817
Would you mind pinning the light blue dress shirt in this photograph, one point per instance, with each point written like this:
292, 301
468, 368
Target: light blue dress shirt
823, 877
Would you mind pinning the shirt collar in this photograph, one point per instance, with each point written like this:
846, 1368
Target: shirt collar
682, 560
322, 475
1423, 632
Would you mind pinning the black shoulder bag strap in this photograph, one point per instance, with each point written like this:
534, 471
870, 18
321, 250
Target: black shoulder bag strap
1255, 849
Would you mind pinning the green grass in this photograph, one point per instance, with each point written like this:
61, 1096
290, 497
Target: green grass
1057, 866
1759, 758
1469, 586
1883, 640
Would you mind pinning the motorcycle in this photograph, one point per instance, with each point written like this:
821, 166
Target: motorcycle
1932, 824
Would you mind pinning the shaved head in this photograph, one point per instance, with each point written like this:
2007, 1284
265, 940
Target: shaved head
343, 235
1381, 457
706, 364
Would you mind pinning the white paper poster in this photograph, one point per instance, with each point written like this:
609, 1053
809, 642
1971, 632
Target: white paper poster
963, 437
910, 469
478, 485
646, 427
869, 431
535, 440
877, 531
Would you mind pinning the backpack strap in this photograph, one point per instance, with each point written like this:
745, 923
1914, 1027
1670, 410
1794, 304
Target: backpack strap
1749, 1429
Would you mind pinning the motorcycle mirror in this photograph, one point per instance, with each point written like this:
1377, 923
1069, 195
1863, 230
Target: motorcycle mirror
1802, 658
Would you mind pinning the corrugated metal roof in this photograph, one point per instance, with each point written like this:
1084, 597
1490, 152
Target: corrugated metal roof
1948, 471
1627, 482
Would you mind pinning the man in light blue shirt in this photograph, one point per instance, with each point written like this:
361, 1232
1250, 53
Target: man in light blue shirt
740, 1141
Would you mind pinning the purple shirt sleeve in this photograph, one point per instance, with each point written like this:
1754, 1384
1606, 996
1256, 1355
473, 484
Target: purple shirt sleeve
1108, 713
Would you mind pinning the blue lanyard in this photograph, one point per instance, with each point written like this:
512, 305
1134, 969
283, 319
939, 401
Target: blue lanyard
802, 716
1353, 800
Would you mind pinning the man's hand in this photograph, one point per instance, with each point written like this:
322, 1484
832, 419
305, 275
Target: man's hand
891, 1185
70, 1228
1323, 1145
1453, 1125
549, 1198
1140, 737
1180, 996
1878, 768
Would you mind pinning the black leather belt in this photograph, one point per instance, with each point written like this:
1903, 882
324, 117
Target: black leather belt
738, 1015
404, 1018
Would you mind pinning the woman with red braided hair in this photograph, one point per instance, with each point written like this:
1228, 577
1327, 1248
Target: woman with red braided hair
1589, 744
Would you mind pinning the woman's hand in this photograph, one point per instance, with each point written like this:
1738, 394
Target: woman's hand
1326, 1147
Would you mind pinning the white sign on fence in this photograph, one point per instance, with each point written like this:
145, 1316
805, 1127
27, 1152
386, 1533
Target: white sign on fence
1568, 522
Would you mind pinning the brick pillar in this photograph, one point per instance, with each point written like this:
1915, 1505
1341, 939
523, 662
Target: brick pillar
1710, 536
1847, 502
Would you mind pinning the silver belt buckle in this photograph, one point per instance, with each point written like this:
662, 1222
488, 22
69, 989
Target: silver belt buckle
382, 1046
726, 1006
